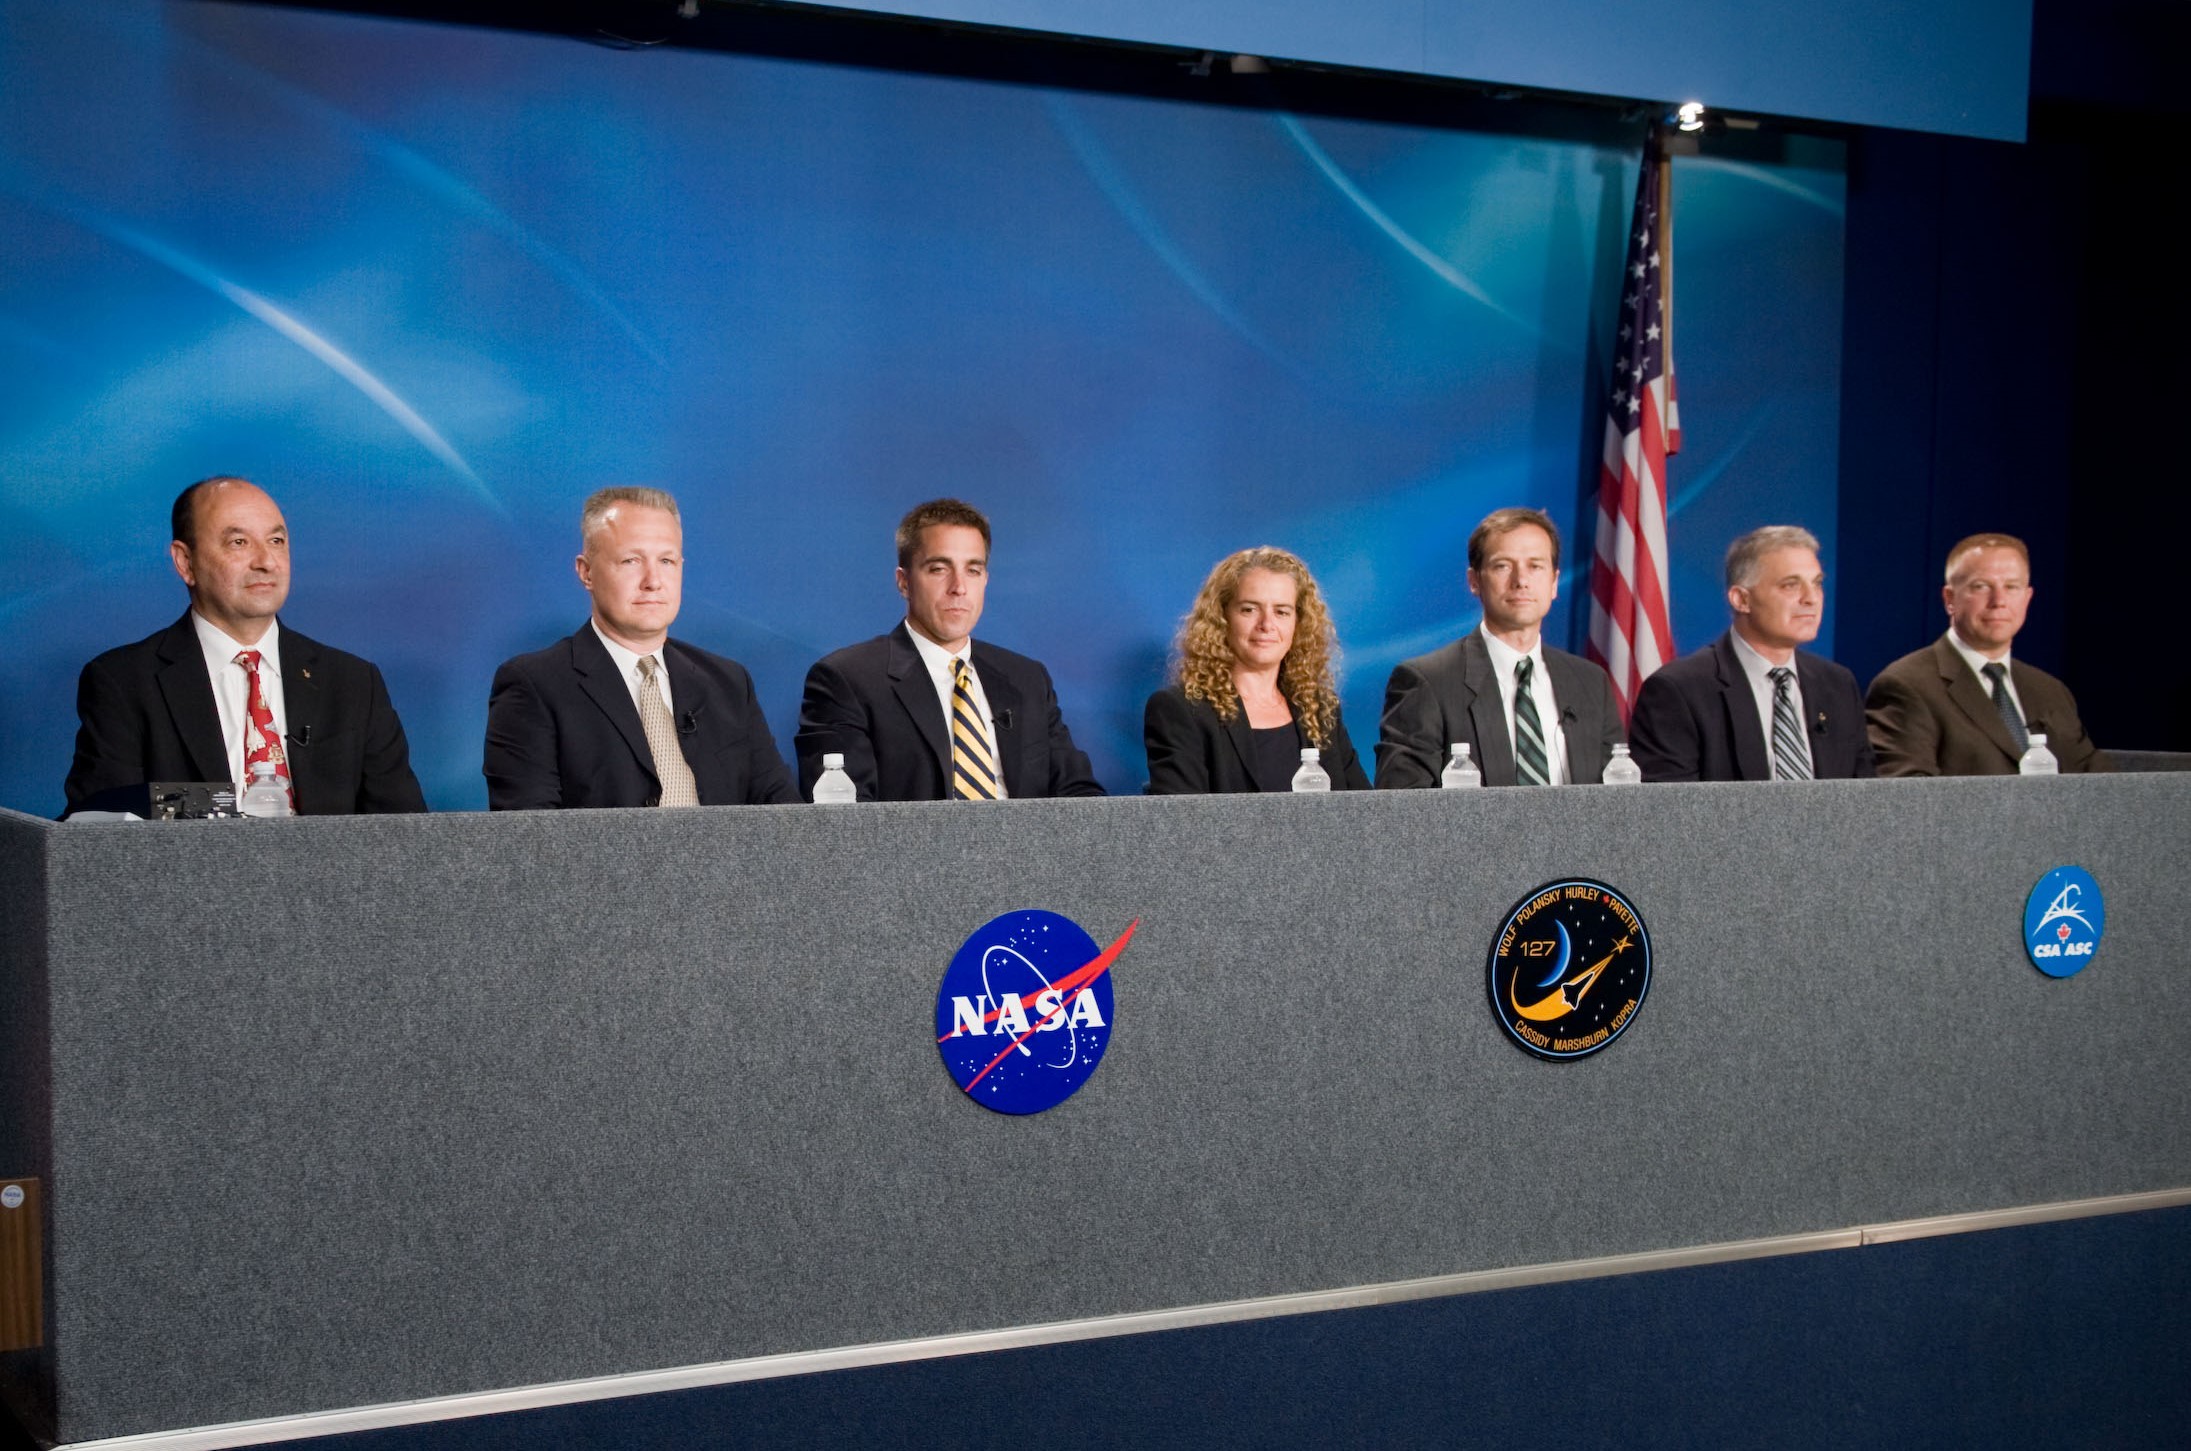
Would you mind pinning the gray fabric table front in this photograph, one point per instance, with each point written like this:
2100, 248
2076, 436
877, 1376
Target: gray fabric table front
336, 1112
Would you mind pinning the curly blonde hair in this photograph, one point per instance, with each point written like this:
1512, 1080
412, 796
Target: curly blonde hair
1204, 659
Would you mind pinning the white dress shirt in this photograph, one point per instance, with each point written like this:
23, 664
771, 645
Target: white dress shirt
938, 660
1504, 658
232, 687
1978, 663
627, 665
1760, 669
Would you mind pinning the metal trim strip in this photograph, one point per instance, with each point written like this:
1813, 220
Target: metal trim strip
851, 1357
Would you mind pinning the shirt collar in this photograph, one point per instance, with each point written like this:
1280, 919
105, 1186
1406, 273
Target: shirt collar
1503, 656
626, 660
221, 648
1972, 657
935, 657
1754, 665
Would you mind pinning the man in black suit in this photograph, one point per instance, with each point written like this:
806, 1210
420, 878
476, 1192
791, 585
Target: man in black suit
1501, 684
619, 714
1752, 706
928, 713
228, 682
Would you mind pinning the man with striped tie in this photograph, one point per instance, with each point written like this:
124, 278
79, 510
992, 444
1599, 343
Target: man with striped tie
1535, 716
928, 713
1752, 705
1962, 706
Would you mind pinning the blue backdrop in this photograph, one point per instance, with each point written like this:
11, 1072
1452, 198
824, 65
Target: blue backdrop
431, 285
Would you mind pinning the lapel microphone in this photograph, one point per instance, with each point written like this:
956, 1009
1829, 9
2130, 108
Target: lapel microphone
1818, 727
689, 722
301, 736
1004, 720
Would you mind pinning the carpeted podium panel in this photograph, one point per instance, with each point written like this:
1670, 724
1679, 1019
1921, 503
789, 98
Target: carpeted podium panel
355, 1111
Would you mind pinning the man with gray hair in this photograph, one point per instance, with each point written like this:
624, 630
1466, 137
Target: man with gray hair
1752, 705
619, 714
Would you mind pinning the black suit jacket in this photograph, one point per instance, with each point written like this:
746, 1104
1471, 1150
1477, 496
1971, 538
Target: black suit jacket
876, 703
1452, 694
145, 713
1696, 720
562, 731
1192, 750
1930, 716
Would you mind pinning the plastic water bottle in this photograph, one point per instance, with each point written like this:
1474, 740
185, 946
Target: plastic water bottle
1622, 770
1460, 771
833, 787
1311, 776
2037, 761
265, 795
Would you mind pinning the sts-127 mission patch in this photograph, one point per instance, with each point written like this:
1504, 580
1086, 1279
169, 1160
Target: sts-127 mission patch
1569, 969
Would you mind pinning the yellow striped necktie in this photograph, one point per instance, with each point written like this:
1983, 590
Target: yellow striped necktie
973, 771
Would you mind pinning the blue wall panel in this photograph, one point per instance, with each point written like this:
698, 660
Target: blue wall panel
431, 285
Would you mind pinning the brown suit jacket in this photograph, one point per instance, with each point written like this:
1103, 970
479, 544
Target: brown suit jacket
1930, 716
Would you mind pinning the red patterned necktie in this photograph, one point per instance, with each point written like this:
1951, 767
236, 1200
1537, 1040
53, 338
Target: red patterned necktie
261, 742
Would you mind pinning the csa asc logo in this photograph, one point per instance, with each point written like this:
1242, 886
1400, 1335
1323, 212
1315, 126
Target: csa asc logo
1024, 1012
2063, 919
1569, 969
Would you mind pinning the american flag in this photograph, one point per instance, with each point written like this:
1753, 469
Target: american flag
1631, 631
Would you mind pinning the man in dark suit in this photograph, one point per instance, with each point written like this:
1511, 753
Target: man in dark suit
1961, 706
1752, 706
619, 714
928, 713
227, 686
1531, 714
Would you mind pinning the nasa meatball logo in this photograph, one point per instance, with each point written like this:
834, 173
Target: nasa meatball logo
1569, 969
2063, 919
1025, 1010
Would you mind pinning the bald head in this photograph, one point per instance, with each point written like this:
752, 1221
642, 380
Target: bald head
231, 550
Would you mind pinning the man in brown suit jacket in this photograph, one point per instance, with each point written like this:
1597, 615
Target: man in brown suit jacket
1961, 706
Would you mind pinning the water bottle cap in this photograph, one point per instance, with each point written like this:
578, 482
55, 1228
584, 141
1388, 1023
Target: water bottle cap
1620, 748
833, 762
2038, 738
1460, 748
1308, 753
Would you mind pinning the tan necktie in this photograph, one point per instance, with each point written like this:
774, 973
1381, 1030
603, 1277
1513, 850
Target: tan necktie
669, 757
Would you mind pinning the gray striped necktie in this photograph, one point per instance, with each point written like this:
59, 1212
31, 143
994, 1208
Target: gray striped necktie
1791, 762
2006, 705
678, 787
1529, 753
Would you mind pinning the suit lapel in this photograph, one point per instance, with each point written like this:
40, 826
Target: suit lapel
1570, 697
1004, 713
304, 704
1486, 714
696, 705
1744, 730
1243, 744
1973, 699
604, 685
187, 691
916, 691
1818, 727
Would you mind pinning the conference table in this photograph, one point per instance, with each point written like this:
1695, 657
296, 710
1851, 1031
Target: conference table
455, 1112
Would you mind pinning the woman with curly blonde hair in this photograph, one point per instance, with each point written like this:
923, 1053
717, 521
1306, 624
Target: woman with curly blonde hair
1252, 685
